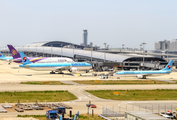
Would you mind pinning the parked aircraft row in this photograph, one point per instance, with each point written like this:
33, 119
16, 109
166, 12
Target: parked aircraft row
58, 64
54, 64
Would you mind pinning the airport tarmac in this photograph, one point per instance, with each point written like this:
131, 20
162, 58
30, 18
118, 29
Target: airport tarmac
12, 75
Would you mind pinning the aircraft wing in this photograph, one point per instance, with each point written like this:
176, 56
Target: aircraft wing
57, 69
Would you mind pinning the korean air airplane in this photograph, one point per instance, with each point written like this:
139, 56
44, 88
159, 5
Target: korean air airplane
2, 57
143, 74
54, 67
17, 58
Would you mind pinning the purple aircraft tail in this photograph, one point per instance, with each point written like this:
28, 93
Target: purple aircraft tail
14, 52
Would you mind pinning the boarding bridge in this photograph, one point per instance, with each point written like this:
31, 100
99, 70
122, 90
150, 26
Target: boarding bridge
97, 66
153, 65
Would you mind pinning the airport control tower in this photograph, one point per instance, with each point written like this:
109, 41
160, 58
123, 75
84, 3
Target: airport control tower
85, 34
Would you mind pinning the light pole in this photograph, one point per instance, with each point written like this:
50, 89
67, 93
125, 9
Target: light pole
140, 48
73, 51
91, 50
61, 49
143, 51
167, 55
51, 50
108, 47
43, 51
166, 52
168, 44
28, 51
105, 52
5, 50
123, 46
36, 50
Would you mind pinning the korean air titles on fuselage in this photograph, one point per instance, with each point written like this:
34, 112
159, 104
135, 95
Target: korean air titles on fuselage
129, 72
144, 72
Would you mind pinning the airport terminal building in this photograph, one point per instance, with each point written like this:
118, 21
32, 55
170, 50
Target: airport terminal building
99, 59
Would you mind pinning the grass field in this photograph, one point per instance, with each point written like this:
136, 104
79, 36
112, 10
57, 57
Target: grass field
40, 96
81, 117
122, 82
40, 117
43, 83
158, 94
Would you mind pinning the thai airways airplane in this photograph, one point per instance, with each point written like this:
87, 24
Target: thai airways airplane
17, 58
54, 67
2, 57
143, 74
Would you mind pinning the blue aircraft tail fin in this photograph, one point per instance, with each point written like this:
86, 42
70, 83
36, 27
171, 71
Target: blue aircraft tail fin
1, 55
168, 66
25, 60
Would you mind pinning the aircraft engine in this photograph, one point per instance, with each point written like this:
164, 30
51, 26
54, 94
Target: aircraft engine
140, 76
73, 69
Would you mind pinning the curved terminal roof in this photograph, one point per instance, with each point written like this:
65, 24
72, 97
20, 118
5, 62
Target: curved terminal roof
54, 44
38, 44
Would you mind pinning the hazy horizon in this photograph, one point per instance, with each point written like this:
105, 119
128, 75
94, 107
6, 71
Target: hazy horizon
115, 22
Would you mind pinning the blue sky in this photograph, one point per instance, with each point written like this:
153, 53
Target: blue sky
115, 22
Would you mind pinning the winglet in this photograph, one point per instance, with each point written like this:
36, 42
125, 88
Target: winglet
15, 54
61, 117
1, 55
168, 66
25, 60
76, 115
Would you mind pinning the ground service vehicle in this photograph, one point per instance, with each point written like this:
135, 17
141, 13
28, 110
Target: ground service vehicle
168, 115
59, 114
92, 106
51, 114
61, 110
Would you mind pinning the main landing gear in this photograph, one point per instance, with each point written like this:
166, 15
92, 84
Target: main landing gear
87, 71
52, 72
60, 72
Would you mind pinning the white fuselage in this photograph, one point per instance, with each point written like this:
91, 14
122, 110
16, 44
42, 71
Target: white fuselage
54, 60
45, 60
